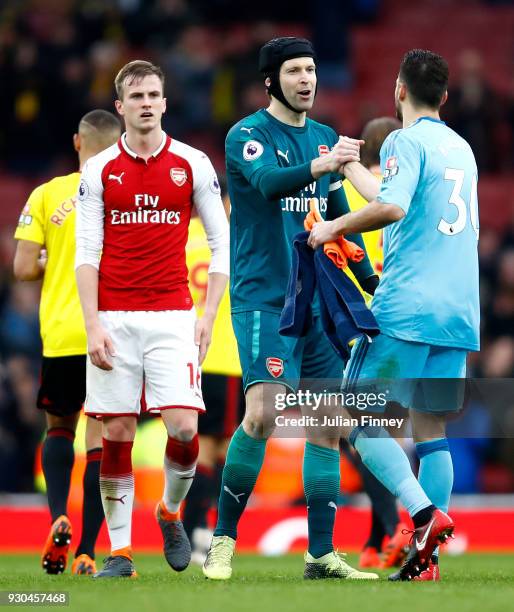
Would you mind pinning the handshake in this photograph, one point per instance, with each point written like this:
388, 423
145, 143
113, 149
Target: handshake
345, 150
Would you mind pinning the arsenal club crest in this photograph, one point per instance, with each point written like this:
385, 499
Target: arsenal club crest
275, 366
178, 176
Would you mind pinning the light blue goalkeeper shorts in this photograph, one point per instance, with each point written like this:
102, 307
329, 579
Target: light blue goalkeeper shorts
421, 376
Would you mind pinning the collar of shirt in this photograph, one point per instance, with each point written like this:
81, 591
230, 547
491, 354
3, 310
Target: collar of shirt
424, 118
124, 147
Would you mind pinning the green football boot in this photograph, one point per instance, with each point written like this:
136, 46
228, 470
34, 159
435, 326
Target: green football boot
333, 565
218, 566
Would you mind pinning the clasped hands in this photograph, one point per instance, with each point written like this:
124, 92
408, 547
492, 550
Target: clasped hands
346, 150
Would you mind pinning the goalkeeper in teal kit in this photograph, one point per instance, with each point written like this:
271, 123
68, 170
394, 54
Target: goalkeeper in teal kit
277, 160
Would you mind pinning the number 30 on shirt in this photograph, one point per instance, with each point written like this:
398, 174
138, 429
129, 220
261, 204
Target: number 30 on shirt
456, 227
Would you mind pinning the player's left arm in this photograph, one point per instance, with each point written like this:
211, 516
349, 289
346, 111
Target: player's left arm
401, 160
207, 199
338, 207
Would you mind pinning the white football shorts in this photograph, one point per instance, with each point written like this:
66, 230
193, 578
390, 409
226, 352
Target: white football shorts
157, 346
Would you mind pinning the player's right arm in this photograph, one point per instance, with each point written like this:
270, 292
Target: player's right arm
29, 259
89, 238
362, 270
256, 159
366, 183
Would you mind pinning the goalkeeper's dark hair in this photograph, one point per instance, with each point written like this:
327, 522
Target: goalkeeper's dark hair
426, 76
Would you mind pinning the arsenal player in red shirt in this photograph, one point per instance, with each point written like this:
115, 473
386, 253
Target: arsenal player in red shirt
135, 202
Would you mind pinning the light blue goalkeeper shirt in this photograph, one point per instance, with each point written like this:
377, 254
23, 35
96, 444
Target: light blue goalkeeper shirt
429, 287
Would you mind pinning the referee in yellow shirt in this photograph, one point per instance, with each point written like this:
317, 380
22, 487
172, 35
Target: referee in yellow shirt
46, 250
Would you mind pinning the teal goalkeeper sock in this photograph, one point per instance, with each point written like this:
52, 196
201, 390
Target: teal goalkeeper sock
436, 472
321, 486
386, 459
242, 466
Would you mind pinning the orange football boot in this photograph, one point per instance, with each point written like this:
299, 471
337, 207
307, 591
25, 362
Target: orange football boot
83, 565
55, 553
397, 548
369, 557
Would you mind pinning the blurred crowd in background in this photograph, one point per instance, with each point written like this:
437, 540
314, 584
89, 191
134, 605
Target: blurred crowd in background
58, 60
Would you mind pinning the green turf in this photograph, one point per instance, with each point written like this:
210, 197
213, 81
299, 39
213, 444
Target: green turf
478, 582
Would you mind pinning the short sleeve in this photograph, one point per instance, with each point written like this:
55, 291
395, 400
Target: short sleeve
400, 162
31, 224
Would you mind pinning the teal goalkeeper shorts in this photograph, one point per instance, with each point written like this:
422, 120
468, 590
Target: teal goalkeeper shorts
266, 356
424, 377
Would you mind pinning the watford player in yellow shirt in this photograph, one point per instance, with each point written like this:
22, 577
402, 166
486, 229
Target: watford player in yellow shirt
46, 250
385, 519
222, 392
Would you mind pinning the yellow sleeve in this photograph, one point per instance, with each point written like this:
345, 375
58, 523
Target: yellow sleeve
31, 225
372, 240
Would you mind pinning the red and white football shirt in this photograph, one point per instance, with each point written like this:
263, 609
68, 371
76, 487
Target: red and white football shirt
133, 218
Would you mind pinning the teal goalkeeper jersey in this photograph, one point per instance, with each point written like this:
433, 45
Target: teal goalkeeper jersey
270, 187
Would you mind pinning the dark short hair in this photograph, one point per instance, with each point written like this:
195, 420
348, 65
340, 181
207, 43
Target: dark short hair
425, 75
101, 120
374, 134
133, 71
100, 128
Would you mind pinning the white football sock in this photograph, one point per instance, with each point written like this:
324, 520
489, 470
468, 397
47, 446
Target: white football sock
177, 482
117, 499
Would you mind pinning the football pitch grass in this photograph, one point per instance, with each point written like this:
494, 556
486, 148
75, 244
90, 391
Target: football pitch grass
481, 582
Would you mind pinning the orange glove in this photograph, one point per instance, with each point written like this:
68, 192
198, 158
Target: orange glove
340, 250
